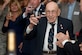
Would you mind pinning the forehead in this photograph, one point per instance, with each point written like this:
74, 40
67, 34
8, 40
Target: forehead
51, 6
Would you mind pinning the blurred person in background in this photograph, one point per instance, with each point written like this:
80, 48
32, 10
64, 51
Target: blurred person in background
21, 3
3, 8
46, 1
36, 8
81, 5
3, 12
71, 11
25, 2
12, 22
80, 33
81, 10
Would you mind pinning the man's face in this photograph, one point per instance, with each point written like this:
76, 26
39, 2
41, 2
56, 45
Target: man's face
52, 12
35, 3
25, 2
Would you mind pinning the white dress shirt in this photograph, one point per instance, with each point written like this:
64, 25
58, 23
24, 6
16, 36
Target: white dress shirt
72, 41
45, 47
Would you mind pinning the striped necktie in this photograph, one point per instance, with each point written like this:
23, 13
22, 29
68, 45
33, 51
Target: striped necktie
50, 38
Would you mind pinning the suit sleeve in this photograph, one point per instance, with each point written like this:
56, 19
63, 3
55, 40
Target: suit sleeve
72, 49
70, 30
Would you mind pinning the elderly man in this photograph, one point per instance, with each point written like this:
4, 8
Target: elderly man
45, 28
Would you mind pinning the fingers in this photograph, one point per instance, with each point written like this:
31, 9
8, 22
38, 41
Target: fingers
20, 47
60, 35
7, 1
29, 9
8, 17
34, 20
59, 44
80, 45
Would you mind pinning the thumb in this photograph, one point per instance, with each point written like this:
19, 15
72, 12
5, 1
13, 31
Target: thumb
67, 33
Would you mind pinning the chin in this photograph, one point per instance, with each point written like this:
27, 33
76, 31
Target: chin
51, 21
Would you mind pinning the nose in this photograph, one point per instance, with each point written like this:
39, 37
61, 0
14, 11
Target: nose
50, 14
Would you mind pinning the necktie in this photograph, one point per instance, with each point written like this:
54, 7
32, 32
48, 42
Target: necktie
50, 38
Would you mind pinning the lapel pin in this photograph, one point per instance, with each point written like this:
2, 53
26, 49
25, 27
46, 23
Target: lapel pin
61, 26
40, 9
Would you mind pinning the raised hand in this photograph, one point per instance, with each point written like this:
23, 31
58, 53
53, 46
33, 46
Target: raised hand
59, 44
61, 36
34, 20
5, 4
80, 45
20, 47
29, 9
6, 1
9, 16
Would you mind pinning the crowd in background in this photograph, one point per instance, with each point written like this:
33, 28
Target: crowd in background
16, 14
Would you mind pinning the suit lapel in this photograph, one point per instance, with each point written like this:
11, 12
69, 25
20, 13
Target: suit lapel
60, 26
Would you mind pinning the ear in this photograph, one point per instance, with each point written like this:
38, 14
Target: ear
59, 11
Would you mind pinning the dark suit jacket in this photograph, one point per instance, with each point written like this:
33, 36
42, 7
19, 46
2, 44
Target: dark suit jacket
39, 33
80, 36
29, 44
73, 49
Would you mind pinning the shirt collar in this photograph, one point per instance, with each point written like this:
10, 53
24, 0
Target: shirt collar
56, 22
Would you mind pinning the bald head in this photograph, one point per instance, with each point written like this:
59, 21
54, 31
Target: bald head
51, 5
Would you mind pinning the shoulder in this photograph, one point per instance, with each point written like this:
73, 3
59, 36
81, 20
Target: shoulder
43, 19
64, 19
65, 22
